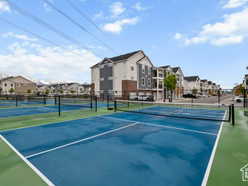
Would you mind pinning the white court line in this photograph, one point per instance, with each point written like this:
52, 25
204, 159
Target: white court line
42, 176
82, 140
162, 126
211, 160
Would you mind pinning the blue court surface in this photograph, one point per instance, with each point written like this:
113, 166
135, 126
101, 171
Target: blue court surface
121, 149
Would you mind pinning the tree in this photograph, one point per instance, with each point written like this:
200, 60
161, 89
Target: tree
47, 92
194, 91
11, 90
170, 82
29, 91
239, 90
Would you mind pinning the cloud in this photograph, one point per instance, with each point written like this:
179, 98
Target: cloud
47, 7
117, 26
4, 6
98, 15
228, 40
139, 7
232, 30
18, 36
178, 36
235, 3
117, 9
48, 63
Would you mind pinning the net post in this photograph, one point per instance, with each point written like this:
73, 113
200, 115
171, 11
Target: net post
233, 115
115, 106
95, 103
16, 100
59, 105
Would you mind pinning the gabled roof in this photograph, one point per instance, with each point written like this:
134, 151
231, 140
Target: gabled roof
118, 58
167, 66
124, 56
204, 80
13, 78
175, 69
7, 78
192, 78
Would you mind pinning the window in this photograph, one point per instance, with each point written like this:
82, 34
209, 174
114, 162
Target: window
132, 68
102, 79
143, 81
11, 85
149, 82
5, 84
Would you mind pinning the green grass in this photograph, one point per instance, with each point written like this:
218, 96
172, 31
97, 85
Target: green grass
39, 119
14, 171
231, 154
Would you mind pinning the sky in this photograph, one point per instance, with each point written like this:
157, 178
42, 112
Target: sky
208, 38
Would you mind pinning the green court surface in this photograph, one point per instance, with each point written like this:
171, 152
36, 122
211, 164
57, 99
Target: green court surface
39, 119
231, 154
14, 171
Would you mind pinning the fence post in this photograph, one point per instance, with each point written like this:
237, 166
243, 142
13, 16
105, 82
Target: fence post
115, 106
107, 101
59, 105
44, 99
219, 98
91, 102
95, 103
244, 101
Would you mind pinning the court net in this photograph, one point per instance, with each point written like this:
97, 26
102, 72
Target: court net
211, 112
75, 102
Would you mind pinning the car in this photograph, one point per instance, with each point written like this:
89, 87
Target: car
239, 99
133, 97
189, 96
145, 98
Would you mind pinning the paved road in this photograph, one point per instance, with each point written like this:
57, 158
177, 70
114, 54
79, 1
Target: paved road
224, 99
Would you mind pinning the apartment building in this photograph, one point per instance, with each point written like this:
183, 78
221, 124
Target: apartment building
177, 71
192, 83
204, 87
17, 85
65, 89
180, 81
158, 83
123, 76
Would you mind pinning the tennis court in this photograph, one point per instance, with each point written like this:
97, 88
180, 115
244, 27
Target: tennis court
123, 149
